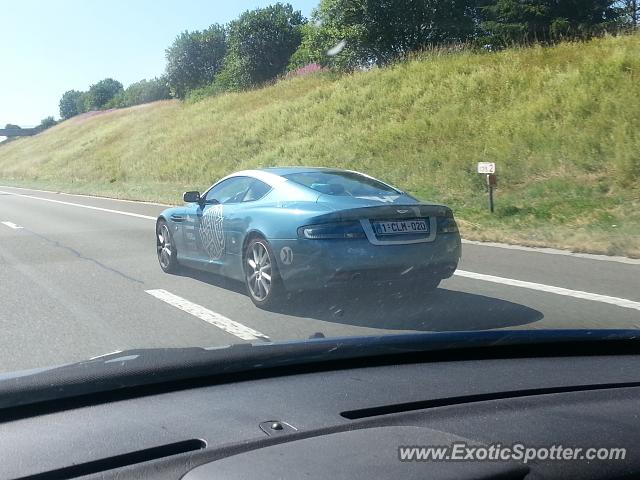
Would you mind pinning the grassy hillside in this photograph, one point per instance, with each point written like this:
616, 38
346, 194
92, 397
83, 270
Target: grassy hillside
562, 123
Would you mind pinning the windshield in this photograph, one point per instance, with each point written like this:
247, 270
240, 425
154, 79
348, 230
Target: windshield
205, 174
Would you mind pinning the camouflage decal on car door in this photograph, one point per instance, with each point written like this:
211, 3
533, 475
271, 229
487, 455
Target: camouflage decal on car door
212, 232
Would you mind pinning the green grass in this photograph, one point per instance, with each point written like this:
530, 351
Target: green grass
562, 123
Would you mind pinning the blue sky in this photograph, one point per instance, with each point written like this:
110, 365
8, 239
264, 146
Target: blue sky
49, 47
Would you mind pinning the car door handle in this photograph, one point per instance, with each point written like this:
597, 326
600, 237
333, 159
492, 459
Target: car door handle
177, 218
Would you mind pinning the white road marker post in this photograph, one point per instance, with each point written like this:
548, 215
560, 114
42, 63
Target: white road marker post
489, 169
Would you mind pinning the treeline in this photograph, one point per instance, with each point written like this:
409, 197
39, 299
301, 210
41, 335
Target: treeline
45, 123
109, 93
344, 35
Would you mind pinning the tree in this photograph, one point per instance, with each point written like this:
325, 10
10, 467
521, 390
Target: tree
144, 91
47, 123
261, 43
69, 104
630, 11
83, 103
194, 58
100, 93
349, 33
11, 126
327, 41
395, 27
508, 22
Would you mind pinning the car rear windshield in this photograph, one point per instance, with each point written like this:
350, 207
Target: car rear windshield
341, 183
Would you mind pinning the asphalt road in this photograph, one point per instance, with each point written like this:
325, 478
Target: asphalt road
77, 282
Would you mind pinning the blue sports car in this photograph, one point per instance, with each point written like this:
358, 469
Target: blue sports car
284, 229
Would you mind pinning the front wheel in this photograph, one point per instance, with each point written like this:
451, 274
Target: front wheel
167, 253
261, 274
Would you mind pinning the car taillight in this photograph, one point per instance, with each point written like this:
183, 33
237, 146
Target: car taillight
332, 231
447, 224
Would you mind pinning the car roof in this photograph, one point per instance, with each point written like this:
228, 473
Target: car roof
281, 171
275, 176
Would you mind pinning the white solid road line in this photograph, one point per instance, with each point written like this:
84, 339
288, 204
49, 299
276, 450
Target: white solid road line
81, 195
108, 210
555, 251
620, 302
220, 321
12, 225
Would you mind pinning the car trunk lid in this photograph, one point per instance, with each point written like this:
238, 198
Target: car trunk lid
392, 224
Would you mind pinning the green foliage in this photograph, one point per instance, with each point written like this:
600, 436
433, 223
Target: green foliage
69, 104
100, 93
630, 13
194, 58
47, 123
395, 27
379, 31
144, 91
11, 126
83, 103
509, 22
261, 43
109, 93
234, 76
347, 35
328, 42
311, 46
198, 94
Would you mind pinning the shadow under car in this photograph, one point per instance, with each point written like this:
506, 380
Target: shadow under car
393, 308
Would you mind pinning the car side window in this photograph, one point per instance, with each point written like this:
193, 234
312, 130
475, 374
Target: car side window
256, 191
231, 190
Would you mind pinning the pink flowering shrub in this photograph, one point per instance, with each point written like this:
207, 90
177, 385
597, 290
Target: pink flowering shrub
306, 70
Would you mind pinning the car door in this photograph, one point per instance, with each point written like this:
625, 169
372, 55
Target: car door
207, 222
238, 216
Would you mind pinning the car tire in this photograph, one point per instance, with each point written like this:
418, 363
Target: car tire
261, 275
165, 248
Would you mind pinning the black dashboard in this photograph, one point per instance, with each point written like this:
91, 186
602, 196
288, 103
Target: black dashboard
346, 421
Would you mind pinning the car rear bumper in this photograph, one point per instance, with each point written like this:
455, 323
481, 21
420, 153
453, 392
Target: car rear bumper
308, 264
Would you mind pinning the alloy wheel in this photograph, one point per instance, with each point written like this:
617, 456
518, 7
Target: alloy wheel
259, 271
164, 246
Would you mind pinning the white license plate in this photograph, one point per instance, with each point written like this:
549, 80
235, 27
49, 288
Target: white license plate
400, 227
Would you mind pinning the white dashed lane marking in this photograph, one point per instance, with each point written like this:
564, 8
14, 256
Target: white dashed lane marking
12, 225
620, 302
213, 318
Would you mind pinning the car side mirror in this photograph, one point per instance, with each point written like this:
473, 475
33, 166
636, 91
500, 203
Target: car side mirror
191, 197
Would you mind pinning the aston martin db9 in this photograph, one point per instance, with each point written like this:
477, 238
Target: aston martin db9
289, 229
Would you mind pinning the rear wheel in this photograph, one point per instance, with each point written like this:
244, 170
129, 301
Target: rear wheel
167, 253
261, 274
